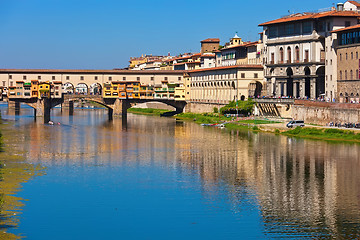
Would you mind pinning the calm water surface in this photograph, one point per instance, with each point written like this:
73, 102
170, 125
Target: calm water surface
157, 178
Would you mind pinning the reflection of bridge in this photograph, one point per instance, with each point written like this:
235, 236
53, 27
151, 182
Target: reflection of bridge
115, 106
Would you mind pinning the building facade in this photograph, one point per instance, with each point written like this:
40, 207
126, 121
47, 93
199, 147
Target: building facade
224, 84
348, 64
299, 55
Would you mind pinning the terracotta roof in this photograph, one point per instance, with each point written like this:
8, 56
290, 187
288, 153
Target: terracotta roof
245, 66
307, 16
347, 28
213, 40
245, 44
196, 54
76, 71
355, 3
208, 55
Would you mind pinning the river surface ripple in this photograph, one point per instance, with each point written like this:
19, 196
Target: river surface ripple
158, 178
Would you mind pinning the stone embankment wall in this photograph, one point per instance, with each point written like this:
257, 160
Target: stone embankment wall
323, 112
202, 107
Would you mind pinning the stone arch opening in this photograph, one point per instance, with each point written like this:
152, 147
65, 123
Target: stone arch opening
307, 73
255, 88
95, 89
68, 88
81, 88
289, 82
320, 82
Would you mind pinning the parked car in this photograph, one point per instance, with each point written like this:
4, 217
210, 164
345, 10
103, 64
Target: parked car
295, 123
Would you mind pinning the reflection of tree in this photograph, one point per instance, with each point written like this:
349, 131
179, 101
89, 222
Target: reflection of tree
13, 173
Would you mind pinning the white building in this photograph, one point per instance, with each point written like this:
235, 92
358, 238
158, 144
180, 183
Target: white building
299, 55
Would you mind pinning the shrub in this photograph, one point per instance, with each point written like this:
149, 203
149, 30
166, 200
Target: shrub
255, 128
277, 131
216, 110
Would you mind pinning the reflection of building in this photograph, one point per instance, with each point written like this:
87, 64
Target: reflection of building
300, 59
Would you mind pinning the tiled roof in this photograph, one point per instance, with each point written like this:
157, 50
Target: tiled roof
245, 66
355, 3
347, 28
245, 44
214, 40
307, 16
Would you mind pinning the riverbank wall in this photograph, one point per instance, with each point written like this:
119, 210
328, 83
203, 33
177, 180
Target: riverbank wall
192, 107
322, 112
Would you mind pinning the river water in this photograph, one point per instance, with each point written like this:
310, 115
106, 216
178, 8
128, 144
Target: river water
158, 178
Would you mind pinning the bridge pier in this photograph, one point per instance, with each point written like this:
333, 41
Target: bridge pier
42, 109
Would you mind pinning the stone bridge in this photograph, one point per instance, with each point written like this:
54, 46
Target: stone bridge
115, 106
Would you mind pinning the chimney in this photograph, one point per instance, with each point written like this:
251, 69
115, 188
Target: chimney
340, 7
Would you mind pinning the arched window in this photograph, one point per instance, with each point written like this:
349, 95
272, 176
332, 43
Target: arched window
351, 75
356, 74
346, 56
340, 57
297, 54
340, 75
281, 57
289, 55
345, 74
352, 55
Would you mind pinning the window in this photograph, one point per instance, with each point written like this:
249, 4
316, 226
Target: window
53, 77
4, 83
10, 76
11, 84
281, 55
340, 57
243, 75
81, 78
357, 55
272, 58
96, 78
330, 61
289, 55
124, 78
256, 75
297, 54
24, 77
179, 78
351, 74
67, 78
165, 78
110, 78
138, 78
306, 59
306, 27
357, 74
347, 23
345, 56
39, 77
345, 74
152, 78
352, 56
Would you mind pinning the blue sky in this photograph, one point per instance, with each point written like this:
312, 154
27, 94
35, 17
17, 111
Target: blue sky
94, 34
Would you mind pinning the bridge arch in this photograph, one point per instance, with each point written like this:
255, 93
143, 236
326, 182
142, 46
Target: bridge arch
95, 89
68, 88
82, 88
